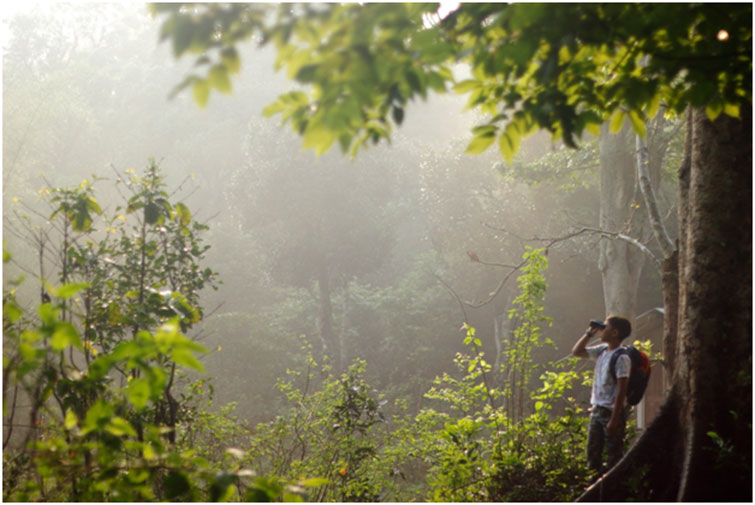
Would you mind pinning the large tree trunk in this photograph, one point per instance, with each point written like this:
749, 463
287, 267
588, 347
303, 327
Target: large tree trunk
620, 262
700, 446
715, 308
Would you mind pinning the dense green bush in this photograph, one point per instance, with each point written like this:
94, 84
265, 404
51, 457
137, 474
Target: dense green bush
98, 362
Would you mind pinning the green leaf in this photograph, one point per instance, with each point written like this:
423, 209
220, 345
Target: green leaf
218, 79
593, 128
48, 314
99, 367
176, 484
318, 138
617, 121
231, 60
472, 366
185, 358
654, 106
314, 482
12, 312
183, 33
307, 73
714, 109
130, 349
69, 290
65, 335
201, 90
731, 109
480, 143
148, 452
119, 427
508, 143
138, 392
638, 123
71, 420
182, 213
276, 107
93, 206
467, 86
436, 82
221, 487
97, 417
398, 115
152, 213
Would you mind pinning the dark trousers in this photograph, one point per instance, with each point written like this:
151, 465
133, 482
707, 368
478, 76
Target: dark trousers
599, 439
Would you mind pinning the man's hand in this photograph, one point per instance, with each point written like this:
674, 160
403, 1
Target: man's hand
613, 426
579, 348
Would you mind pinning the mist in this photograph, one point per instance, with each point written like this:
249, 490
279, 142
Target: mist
87, 92
381, 258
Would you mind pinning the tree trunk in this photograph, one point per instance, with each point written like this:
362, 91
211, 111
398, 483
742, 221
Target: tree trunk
700, 446
325, 318
620, 263
342, 334
715, 307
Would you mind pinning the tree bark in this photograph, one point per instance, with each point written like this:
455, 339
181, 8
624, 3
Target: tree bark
700, 447
715, 307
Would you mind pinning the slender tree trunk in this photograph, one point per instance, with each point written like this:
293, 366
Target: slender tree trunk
620, 263
342, 334
648, 193
700, 446
325, 318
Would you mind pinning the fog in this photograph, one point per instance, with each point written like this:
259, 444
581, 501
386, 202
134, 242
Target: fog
388, 238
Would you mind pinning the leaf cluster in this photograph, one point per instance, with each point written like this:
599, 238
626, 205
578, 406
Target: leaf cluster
565, 68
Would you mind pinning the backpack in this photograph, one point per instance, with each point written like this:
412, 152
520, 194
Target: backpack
639, 374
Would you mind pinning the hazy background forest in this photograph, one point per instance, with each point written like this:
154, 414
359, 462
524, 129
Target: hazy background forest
407, 233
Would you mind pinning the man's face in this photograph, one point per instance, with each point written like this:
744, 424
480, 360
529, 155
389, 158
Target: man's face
608, 332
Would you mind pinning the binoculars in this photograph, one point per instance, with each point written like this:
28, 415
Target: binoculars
596, 323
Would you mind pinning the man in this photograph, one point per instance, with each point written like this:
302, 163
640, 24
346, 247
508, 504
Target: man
608, 417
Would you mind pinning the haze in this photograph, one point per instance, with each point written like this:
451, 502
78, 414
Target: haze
86, 92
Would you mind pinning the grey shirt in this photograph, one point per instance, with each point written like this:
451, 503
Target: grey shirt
603, 384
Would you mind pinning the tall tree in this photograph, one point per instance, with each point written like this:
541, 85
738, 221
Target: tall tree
320, 222
566, 68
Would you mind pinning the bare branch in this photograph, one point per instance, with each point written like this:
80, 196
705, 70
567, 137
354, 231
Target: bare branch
646, 187
606, 234
455, 295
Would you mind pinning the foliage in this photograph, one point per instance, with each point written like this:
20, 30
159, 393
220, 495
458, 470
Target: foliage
565, 68
107, 453
331, 431
335, 428
478, 450
101, 414
528, 311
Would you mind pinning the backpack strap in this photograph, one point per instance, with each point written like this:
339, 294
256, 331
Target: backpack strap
614, 357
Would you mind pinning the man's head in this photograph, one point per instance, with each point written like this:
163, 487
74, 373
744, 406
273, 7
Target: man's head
616, 327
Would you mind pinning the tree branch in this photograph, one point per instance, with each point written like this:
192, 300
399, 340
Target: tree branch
606, 234
646, 188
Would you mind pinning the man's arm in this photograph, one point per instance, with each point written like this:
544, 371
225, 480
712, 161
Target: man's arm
618, 406
580, 348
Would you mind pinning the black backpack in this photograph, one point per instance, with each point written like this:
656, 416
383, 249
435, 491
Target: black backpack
639, 374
